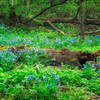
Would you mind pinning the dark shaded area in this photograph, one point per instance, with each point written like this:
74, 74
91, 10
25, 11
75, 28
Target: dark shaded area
86, 56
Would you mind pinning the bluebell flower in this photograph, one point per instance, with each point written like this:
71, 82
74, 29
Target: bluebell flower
55, 86
50, 85
57, 78
84, 68
46, 75
53, 74
55, 94
92, 65
98, 73
44, 78
2, 56
37, 79
29, 78
27, 56
96, 65
38, 43
92, 68
73, 41
84, 65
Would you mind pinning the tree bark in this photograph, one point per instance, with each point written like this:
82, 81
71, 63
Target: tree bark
28, 6
81, 19
71, 20
12, 3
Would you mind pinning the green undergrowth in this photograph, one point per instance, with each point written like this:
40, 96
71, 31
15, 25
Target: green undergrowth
27, 74
27, 82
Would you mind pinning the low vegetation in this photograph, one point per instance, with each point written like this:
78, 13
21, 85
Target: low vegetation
28, 75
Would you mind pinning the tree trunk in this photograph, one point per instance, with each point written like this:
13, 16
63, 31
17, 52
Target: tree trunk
28, 6
12, 17
12, 3
81, 19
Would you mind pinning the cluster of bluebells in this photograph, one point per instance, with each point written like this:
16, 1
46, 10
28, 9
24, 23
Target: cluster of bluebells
29, 78
92, 40
13, 40
50, 81
89, 66
7, 56
42, 41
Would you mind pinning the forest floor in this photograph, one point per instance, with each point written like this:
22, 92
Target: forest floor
27, 74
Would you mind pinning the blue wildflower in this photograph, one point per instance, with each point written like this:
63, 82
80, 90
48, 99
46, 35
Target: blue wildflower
92, 65
55, 86
38, 43
19, 52
44, 79
53, 74
92, 68
98, 73
96, 65
30, 77
55, 94
84, 68
27, 56
50, 85
84, 65
37, 79
57, 78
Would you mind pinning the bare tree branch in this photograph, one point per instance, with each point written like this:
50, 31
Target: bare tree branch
64, 1
93, 32
55, 27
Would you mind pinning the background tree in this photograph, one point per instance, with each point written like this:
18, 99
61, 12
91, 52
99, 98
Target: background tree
14, 12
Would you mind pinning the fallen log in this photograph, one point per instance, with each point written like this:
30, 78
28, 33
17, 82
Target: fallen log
76, 58
65, 56
71, 20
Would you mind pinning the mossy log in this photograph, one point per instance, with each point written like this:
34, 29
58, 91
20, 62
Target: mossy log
66, 56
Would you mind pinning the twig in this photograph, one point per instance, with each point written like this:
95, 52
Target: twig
55, 27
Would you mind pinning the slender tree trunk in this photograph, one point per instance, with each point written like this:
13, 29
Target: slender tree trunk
12, 3
28, 6
12, 17
81, 19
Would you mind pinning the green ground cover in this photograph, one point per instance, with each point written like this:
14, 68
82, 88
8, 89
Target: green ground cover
30, 79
